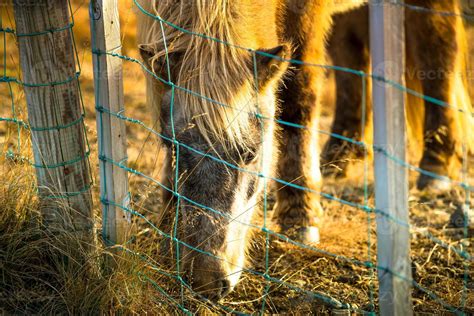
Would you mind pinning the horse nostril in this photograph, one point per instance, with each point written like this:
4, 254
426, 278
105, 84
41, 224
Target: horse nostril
186, 279
225, 287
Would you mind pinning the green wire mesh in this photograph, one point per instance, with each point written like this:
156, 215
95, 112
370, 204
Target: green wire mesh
21, 126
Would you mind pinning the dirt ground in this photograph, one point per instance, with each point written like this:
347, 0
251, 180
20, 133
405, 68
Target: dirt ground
347, 232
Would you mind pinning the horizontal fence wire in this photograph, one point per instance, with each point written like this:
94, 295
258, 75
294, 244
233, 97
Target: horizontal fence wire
179, 146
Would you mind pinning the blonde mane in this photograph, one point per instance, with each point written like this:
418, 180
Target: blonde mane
209, 68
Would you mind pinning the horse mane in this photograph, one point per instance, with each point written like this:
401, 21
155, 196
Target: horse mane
207, 67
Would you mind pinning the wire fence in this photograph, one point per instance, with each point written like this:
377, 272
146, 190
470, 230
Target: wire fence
363, 207
10, 117
18, 147
14, 150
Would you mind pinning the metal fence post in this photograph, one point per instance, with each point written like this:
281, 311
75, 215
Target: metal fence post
387, 38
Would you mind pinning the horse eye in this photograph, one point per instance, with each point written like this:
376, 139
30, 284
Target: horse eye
248, 157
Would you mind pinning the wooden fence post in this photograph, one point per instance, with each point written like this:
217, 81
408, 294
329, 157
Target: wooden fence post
105, 28
387, 38
47, 56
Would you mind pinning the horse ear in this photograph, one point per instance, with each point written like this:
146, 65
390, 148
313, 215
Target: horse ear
159, 66
271, 64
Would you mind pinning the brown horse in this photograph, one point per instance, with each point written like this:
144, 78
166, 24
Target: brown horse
436, 51
216, 201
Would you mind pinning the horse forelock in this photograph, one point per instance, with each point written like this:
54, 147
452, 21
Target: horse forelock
217, 73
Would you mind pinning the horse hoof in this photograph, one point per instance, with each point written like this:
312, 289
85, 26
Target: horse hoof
308, 235
299, 219
462, 217
432, 185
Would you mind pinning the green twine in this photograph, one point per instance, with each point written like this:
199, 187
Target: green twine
67, 195
48, 31
45, 84
7, 30
62, 163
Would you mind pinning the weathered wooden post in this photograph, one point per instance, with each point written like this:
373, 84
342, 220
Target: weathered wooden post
387, 38
105, 28
47, 57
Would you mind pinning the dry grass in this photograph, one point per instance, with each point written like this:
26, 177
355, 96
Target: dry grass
48, 270
52, 271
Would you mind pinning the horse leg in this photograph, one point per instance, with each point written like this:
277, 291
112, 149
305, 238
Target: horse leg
298, 207
348, 47
436, 67
299, 159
